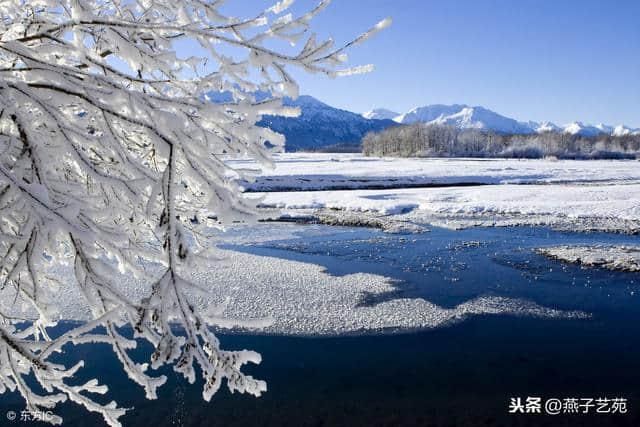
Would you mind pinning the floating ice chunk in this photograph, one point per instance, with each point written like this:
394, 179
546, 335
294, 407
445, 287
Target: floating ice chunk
621, 258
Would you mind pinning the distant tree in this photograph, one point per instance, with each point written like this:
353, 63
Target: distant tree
422, 139
107, 140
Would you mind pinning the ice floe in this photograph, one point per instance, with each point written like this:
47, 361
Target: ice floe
621, 258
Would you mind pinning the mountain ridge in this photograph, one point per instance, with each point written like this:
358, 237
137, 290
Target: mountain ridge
464, 116
320, 125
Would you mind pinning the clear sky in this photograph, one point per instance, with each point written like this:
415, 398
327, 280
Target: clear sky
558, 60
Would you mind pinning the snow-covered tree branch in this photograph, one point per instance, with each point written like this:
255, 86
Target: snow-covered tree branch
113, 159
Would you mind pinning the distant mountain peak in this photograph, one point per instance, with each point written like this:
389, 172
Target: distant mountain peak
579, 128
622, 130
380, 114
428, 113
545, 127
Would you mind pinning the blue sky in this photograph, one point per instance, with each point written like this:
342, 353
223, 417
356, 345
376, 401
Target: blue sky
559, 60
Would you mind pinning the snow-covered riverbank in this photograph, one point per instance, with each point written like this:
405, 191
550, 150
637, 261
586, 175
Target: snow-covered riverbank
326, 171
614, 208
576, 195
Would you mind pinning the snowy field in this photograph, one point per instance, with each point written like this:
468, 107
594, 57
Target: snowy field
554, 201
577, 195
326, 171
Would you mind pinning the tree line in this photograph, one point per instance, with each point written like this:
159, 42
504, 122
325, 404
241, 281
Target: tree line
422, 140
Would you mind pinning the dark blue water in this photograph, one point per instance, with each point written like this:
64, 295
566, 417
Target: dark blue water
461, 375
450, 267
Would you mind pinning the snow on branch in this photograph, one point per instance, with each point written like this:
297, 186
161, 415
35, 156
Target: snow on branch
113, 156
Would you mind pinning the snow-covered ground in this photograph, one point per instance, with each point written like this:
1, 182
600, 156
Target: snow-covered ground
621, 201
320, 171
622, 258
580, 195
606, 207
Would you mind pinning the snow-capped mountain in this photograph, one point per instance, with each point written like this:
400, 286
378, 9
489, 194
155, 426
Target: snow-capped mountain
380, 114
466, 117
463, 117
622, 130
320, 125
579, 128
606, 129
544, 127
481, 118
428, 113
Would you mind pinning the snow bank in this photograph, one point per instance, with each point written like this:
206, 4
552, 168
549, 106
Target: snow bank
610, 206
